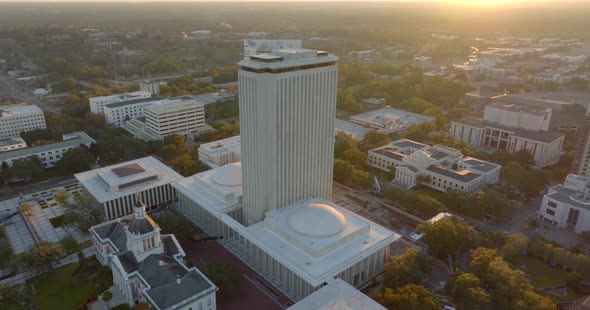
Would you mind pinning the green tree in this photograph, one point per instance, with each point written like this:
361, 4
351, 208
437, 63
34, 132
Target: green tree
515, 245
69, 244
468, 294
343, 143
408, 297
107, 297
374, 139
448, 237
40, 258
62, 197
82, 213
411, 267
16, 297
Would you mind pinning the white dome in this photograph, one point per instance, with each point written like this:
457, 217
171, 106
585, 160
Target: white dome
317, 220
419, 158
228, 175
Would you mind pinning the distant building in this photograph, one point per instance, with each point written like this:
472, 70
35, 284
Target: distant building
128, 57
149, 267
151, 87
568, 205
114, 187
221, 152
375, 101
389, 119
337, 295
10, 144
581, 165
118, 113
182, 116
363, 55
200, 34
18, 118
355, 130
439, 167
513, 127
48, 154
97, 103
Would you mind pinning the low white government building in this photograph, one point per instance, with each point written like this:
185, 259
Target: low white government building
97, 103
337, 295
221, 152
439, 167
149, 267
567, 205
10, 144
18, 118
512, 128
297, 248
114, 187
49, 154
389, 119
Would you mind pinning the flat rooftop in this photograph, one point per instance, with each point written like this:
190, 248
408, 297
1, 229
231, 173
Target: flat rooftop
21, 108
11, 141
173, 105
337, 295
355, 130
391, 119
287, 58
318, 253
518, 107
77, 139
124, 179
231, 144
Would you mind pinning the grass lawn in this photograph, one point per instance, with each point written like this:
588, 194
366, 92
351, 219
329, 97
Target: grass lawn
57, 290
540, 274
57, 221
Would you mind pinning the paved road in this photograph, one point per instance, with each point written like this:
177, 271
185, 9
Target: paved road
11, 88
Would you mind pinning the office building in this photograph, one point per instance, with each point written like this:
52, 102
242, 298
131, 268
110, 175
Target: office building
48, 154
389, 120
176, 116
117, 113
18, 118
149, 86
114, 187
221, 152
97, 103
355, 130
149, 267
272, 210
568, 205
581, 165
513, 127
439, 167
291, 157
11, 144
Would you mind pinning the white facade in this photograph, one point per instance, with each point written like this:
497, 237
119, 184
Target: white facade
287, 128
337, 295
279, 220
438, 167
513, 127
181, 116
119, 112
11, 144
135, 251
568, 205
297, 248
151, 87
518, 116
221, 152
97, 103
19, 118
114, 187
49, 154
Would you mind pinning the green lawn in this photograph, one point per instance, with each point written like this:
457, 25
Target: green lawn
540, 274
57, 221
57, 290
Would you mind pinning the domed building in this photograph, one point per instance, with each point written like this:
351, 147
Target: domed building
149, 267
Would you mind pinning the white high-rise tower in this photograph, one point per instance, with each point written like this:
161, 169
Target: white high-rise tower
287, 112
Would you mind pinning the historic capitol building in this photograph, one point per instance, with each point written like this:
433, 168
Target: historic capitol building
273, 208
